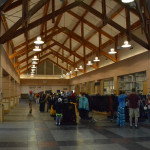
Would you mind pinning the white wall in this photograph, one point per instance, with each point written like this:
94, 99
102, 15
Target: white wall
36, 89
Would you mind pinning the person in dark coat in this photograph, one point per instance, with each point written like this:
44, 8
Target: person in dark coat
59, 110
42, 102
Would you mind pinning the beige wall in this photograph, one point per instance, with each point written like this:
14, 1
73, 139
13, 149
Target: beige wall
7, 65
38, 85
137, 63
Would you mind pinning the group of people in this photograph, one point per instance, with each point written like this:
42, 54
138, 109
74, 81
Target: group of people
134, 104
82, 101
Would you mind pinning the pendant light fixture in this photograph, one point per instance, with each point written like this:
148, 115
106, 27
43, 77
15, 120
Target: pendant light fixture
34, 63
89, 63
35, 58
76, 69
70, 72
112, 51
126, 44
96, 59
61, 77
127, 1
80, 67
67, 74
33, 67
32, 70
39, 40
37, 48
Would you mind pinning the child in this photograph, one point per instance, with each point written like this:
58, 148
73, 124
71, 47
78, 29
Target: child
59, 110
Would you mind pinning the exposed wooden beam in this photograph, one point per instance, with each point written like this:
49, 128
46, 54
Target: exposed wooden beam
32, 39
115, 25
53, 11
31, 56
90, 25
76, 25
128, 23
108, 43
46, 39
104, 11
39, 21
101, 26
4, 4
67, 49
12, 30
87, 43
126, 6
13, 5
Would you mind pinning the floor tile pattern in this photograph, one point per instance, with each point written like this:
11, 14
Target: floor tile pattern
22, 131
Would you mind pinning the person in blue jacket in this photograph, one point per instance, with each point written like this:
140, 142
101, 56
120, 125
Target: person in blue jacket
121, 109
83, 107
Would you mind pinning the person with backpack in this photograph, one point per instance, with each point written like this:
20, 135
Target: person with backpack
31, 99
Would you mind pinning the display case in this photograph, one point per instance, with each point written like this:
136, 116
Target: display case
108, 87
136, 80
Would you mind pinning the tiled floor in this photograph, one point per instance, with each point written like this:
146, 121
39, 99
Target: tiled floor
21, 131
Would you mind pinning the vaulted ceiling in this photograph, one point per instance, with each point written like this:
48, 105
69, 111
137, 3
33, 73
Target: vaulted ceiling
74, 31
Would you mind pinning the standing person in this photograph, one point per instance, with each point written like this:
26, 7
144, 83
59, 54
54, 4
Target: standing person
83, 107
30, 98
42, 102
148, 106
134, 104
37, 98
121, 109
59, 110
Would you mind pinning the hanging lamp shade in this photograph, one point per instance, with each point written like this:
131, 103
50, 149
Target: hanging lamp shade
127, 1
76, 69
126, 44
96, 59
67, 74
61, 77
112, 51
70, 72
34, 63
39, 40
89, 63
37, 49
33, 67
80, 67
35, 58
32, 70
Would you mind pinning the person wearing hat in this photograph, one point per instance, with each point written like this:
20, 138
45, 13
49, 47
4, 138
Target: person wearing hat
30, 98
